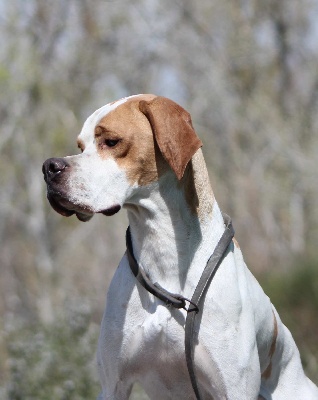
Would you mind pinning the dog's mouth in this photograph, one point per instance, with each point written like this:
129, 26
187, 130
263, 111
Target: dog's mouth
65, 208
111, 211
59, 208
61, 205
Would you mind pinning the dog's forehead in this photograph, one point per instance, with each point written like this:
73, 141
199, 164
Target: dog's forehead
87, 133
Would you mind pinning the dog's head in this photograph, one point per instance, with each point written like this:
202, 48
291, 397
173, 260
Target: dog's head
125, 145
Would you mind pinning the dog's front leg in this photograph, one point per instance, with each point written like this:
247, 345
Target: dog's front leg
115, 395
114, 387
116, 382
116, 374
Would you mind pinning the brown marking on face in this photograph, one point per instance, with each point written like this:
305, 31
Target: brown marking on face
130, 137
80, 144
267, 373
126, 135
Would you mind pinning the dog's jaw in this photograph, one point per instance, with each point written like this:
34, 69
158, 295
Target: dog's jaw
111, 211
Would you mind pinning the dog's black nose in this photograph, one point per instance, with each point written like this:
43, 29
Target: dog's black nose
53, 167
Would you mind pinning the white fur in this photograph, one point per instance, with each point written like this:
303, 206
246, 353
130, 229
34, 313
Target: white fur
141, 339
92, 178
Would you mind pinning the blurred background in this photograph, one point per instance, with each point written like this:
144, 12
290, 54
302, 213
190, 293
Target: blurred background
246, 70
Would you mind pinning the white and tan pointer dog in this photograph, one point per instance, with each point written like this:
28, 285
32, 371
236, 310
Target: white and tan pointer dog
142, 153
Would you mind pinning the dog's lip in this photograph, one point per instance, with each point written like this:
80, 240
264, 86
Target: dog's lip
55, 200
111, 210
62, 206
83, 217
58, 208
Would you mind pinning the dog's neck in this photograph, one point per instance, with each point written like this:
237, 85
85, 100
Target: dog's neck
172, 221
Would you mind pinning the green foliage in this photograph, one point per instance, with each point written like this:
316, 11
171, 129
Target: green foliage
55, 362
295, 295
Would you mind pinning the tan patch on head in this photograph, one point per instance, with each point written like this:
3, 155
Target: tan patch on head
136, 151
267, 373
146, 136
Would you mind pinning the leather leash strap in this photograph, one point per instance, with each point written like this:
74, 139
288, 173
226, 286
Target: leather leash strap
179, 301
197, 298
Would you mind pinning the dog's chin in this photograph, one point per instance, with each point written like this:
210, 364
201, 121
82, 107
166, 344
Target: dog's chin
108, 212
111, 210
82, 214
65, 208
83, 217
59, 208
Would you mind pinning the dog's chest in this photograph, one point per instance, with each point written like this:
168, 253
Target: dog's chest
159, 335
153, 354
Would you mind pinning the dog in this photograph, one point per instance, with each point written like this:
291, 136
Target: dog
142, 153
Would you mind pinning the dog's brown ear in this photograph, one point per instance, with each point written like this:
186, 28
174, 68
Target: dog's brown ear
173, 130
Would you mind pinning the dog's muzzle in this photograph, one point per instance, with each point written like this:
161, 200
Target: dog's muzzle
56, 171
52, 168
54, 175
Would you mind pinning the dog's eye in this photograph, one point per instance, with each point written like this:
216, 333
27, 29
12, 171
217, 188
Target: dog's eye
111, 142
